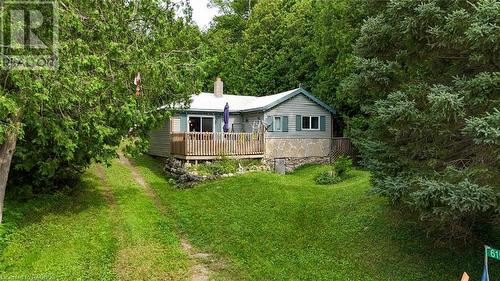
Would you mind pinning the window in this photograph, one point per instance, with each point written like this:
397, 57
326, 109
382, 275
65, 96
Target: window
310, 122
201, 124
207, 124
277, 123
314, 123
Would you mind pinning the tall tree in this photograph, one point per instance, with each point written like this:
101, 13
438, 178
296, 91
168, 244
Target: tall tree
225, 53
64, 120
428, 78
264, 41
337, 27
284, 44
225, 49
238, 7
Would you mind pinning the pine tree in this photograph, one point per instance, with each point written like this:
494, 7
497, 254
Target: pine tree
429, 81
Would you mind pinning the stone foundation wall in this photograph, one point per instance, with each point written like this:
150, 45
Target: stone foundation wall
291, 163
298, 148
296, 152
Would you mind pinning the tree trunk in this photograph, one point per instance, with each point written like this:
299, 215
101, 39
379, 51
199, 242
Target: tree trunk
6, 153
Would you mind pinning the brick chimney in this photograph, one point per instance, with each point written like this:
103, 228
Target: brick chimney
218, 88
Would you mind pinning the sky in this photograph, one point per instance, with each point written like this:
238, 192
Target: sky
202, 15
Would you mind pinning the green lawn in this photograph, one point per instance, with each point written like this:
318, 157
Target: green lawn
148, 247
259, 226
59, 237
286, 227
86, 236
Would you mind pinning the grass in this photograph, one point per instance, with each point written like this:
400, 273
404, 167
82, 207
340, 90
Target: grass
148, 247
260, 226
84, 236
225, 166
59, 237
288, 228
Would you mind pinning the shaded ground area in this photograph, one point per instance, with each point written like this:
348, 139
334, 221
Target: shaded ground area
108, 230
60, 237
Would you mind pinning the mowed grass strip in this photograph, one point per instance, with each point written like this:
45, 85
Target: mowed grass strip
220, 267
148, 248
273, 227
66, 236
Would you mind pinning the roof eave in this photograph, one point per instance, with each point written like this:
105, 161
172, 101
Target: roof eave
291, 95
271, 105
208, 110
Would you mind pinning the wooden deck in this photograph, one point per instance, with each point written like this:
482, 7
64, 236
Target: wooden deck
206, 146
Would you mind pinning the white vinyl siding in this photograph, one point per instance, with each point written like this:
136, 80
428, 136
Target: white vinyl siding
176, 124
235, 123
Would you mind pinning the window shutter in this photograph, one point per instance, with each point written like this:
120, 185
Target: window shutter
218, 123
322, 123
184, 123
284, 123
298, 123
269, 122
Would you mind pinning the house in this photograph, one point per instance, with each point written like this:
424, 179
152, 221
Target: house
291, 128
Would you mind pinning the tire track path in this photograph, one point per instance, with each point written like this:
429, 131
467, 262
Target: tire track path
199, 270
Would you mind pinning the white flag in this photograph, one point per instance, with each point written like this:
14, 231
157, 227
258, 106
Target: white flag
137, 83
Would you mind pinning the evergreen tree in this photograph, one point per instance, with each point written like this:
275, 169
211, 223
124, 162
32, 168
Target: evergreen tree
429, 81
59, 122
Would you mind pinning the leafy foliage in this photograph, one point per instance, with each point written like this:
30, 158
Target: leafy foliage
327, 177
340, 171
282, 44
80, 113
220, 167
342, 166
226, 165
428, 80
238, 7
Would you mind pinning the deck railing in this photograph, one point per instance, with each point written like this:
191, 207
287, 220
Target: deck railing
217, 144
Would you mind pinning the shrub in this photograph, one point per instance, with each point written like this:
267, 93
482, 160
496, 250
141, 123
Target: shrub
342, 166
339, 172
224, 166
217, 168
221, 167
327, 177
249, 163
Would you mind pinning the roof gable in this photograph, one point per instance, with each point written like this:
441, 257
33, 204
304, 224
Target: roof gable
207, 102
291, 94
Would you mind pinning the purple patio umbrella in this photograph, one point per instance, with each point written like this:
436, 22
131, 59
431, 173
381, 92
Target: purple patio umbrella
226, 118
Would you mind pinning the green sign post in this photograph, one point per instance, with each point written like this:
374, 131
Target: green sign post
493, 253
